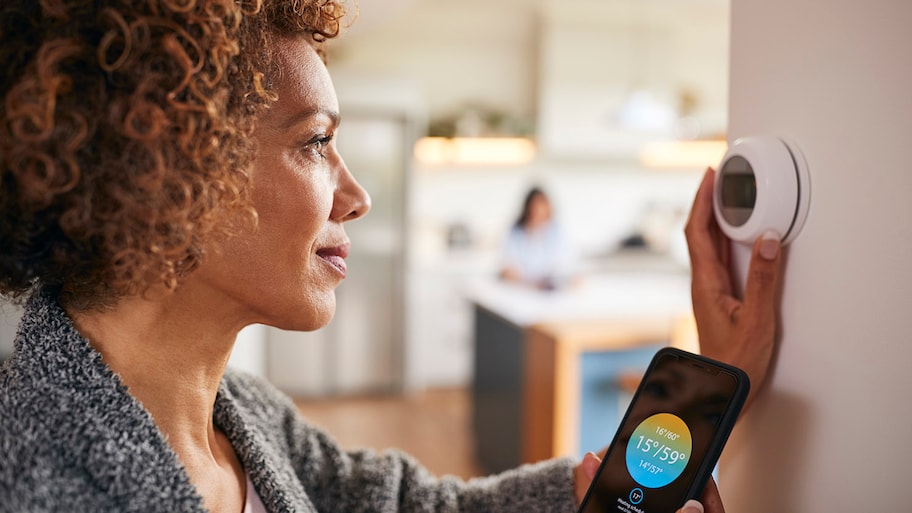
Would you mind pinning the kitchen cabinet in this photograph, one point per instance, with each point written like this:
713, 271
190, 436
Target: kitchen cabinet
614, 76
439, 329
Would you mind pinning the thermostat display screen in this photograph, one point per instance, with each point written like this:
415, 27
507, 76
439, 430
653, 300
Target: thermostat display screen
739, 191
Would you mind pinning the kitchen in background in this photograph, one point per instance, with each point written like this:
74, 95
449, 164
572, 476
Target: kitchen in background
615, 108
601, 90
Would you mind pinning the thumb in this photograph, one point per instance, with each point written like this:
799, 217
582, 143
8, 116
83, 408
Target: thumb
590, 465
763, 279
691, 506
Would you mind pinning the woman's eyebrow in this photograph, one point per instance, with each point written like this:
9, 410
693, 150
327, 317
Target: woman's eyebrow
308, 113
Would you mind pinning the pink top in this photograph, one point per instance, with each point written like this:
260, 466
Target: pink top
253, 504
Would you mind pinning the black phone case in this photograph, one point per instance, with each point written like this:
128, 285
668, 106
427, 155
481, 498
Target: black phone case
726, 424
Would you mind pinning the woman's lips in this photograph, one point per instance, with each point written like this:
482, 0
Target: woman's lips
335, 256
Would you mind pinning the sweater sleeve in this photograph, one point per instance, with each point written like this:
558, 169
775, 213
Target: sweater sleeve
391, 481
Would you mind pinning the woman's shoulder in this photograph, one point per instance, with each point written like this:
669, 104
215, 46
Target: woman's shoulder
254, 413
75, 440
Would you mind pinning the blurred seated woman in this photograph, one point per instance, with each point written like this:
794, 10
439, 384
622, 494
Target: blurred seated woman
536, 252
169, 176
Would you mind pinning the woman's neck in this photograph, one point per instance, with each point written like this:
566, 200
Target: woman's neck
171, 354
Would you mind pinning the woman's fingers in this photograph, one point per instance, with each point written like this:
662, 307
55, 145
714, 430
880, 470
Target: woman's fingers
590, 465
757, 316
699, 227
691, 506
707, 244
584, 474
712, 501
762, 281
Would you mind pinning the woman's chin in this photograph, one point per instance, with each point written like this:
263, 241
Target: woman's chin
314, 318
309, 315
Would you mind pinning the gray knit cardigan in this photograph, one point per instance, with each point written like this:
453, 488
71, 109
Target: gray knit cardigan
72, 439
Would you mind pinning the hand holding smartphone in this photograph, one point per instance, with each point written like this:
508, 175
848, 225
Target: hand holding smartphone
671, 437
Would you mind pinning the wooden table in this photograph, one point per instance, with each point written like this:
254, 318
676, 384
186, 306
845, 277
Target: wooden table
551, 389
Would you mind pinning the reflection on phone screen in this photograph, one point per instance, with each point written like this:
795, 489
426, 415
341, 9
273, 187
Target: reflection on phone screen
662, 442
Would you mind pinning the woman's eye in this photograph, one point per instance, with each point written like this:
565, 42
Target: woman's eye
318, 145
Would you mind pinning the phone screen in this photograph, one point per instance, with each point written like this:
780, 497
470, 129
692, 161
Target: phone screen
671, 436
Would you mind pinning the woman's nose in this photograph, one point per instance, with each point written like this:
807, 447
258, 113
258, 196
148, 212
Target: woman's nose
351, 201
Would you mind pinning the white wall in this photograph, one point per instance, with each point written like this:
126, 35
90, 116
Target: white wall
834, 432
249, 353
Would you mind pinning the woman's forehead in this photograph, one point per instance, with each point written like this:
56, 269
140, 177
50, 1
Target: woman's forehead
302, 82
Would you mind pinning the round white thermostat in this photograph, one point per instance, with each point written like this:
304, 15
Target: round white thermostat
762, 185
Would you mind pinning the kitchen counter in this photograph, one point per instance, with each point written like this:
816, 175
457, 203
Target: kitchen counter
606, 296
532, 395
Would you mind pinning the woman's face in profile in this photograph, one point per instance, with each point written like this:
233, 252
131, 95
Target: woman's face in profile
285, 273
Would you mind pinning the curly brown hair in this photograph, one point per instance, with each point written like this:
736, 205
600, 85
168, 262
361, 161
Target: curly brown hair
125, 135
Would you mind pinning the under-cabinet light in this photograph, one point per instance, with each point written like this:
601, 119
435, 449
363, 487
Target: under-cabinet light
474, 150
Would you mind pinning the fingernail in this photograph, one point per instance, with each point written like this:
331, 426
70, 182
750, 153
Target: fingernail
769, 246
692, 506
591, 470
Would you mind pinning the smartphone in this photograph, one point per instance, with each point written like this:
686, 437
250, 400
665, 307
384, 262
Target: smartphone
671, 437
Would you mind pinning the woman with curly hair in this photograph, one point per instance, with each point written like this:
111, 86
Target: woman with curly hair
169, 175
